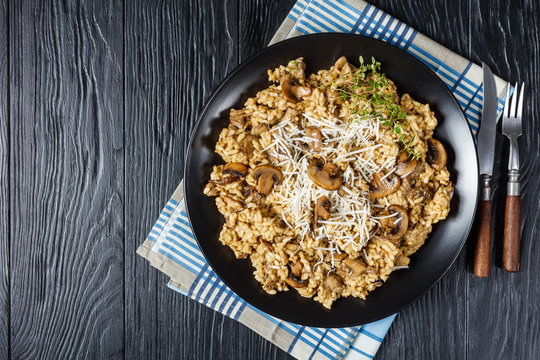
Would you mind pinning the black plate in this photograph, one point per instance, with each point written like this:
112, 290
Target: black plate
428, 265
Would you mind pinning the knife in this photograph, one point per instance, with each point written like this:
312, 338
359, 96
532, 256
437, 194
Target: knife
486, 152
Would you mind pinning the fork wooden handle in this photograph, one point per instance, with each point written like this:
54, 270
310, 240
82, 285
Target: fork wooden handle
482, 254
512, 224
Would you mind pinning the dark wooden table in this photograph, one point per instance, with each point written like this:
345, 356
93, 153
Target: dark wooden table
97, 101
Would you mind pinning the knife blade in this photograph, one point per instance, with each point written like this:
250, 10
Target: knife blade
488, 123
486, 153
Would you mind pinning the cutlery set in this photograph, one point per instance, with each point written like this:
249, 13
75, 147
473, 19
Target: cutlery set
511, 128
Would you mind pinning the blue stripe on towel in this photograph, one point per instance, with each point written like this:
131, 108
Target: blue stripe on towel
298, 334
360, 19
371, 335
317, 347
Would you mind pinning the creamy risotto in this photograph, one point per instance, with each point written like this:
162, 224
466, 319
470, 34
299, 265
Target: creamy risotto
331, 181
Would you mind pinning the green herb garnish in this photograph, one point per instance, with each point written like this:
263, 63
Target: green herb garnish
368, 83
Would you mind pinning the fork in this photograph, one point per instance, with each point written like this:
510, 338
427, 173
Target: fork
511, 128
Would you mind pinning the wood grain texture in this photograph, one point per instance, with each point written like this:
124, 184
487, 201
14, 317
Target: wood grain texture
66, 179
512, 226
482, 253
154, 136
4, 185
101, 98
503, 318
258, 22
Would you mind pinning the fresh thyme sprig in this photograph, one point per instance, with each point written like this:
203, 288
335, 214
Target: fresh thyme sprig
366, 91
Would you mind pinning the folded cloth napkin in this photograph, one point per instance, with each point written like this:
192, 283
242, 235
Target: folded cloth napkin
171, 247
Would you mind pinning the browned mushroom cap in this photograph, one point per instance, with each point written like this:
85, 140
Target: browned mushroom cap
294, 280
267, 176
292, 91
380, 187
232, 172
405, 164
314, 133
321, 210
396, 226
235, 169
436, 154
324, 175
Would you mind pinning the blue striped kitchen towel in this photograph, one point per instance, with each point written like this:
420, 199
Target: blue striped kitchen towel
171, 247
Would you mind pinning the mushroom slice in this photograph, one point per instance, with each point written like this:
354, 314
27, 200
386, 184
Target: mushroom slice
294, 279
436, 154
342, 66
232, 172
339, 63
297, 268
380, 187
314, 133
321, 210
267, 176
295, 282
237, 170
405, 164
293, 91
324, 175
396, 226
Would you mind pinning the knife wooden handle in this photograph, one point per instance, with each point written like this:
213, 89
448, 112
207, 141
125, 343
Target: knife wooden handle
482, 255
512, 223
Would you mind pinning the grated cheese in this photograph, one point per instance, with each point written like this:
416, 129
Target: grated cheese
350, 145
399, 267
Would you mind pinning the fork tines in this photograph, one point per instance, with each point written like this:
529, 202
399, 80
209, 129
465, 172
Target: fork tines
513, 111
